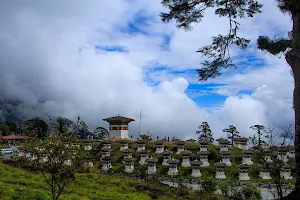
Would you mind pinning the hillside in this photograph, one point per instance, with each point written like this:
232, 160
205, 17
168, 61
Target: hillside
18, 184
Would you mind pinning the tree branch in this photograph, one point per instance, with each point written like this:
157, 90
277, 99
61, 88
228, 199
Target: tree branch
273, 46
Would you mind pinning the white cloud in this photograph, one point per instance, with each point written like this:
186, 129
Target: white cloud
48, 60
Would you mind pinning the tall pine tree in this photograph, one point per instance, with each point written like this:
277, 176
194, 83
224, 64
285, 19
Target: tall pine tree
186, 12
232, 133
205, 133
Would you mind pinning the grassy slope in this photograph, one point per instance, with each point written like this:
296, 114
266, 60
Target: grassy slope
19, 184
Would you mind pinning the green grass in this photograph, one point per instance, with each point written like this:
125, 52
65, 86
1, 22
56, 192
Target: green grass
18, 184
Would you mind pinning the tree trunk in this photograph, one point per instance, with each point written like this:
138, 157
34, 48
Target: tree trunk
293, 58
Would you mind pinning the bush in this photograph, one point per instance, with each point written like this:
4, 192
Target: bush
208, 184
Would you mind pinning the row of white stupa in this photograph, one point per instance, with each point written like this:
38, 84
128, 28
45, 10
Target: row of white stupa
128, 161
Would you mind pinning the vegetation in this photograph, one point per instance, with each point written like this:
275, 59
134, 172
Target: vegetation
232, 133
192, 11
205, 133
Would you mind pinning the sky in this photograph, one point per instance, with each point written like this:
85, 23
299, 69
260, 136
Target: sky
97, 59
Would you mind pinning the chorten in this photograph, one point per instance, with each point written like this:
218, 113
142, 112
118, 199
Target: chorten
118, 127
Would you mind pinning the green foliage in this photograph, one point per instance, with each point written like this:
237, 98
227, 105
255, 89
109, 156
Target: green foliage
205, 133
232, 133
208, 184
4, 129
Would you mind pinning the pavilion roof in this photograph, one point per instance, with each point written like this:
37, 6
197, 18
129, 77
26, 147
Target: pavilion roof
118, 119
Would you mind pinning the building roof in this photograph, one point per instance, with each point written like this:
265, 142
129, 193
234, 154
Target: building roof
151, 160
105, 149
222, 141
127, 151
128, 159
173, 161
248, 151
144, 152
185, 153
191, 140
159, 142
220, 165
203, 152
196, 162
225, 152
203, 141
241, 139
244, 166
106, 142
166, 153
118, 119
140, 141
87, 140
124, 141
13, 137
106, 158
180, 142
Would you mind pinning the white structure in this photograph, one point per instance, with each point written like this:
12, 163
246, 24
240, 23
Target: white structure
196, 168
220, 174
286, 172
129, 165
118, 126
127, 153
106, 144
143, 157
166, 156
106, 163
241, 143
123, 145
173, 167
140, 145
185, 162
264, 174
243, 175
203, 145
159, 146
204, 158
291, 151
88, 144
105, 152
282, 155
180, 146
89, 161
247, 157
223, 143
151, 165
226, 157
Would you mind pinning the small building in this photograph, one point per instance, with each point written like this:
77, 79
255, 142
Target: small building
196, 164
223, 143
123, 144
173, 167
143, 156
89, 161
226, 157
185, 162
180, 146
141, 146
88, 144
247, 156
13, 140
151, 165
106, 144
105, 152
240, 142
244, 169
264, 173
106, 163
203, 145
118, 127
166, 156
286, 172
204, 158
220, 167
191, 140
129, 165
291, 151
127, 153
282, 154
159, 146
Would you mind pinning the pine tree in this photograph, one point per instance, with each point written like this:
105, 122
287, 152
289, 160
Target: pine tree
260, 130
186, 12
205, 133
232, 133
